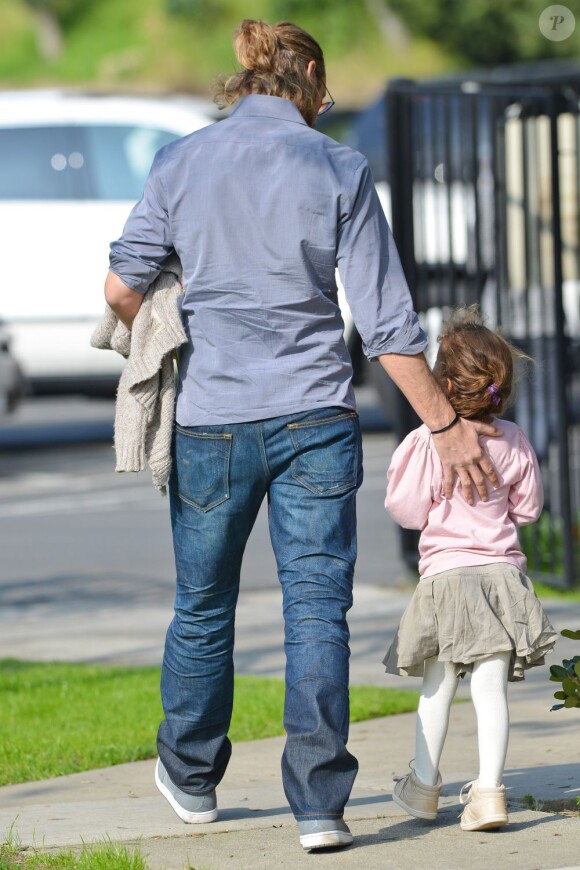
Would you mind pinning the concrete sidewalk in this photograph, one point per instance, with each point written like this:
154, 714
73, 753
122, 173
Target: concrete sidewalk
256, 829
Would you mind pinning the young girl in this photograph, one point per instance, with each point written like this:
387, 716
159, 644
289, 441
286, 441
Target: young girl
474, 609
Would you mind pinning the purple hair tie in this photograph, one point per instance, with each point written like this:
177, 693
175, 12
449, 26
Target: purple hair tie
495, 396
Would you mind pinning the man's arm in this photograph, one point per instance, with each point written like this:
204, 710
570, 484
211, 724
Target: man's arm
382, 309
458, 448
124, 301
138, 256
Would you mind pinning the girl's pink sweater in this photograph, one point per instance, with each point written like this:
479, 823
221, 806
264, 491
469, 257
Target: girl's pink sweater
454, 533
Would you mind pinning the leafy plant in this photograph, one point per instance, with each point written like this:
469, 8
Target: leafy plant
64, 11
543, 544
487, 32
528, 800
201, 10
568, 673
52, 18
531, 803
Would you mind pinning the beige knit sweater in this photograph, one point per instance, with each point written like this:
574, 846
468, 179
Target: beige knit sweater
145, 408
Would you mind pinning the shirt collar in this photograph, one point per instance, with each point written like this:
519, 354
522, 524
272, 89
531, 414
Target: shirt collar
261, 105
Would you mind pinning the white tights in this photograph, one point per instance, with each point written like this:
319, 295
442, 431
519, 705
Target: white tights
489, 695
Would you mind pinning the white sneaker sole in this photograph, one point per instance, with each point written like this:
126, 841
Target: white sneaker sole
419, 814
488, 823
325, 840
184, 815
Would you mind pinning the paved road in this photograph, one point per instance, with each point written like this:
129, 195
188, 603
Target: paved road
68, 521
76, 537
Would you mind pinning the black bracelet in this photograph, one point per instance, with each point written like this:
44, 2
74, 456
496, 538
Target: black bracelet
455, 420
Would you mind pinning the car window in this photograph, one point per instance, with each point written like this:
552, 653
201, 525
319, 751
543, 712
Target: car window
34, 164
119, 158
104, 162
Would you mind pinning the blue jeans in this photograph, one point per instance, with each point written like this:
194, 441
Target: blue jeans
310, 466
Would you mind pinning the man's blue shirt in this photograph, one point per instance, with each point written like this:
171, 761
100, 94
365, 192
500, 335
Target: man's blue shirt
261, 209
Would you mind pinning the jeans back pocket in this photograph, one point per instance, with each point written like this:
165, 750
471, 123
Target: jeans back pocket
202, 466
327, 453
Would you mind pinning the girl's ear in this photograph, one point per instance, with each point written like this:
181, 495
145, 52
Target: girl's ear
449, 385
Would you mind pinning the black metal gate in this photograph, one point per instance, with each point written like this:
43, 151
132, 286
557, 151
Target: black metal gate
484, 178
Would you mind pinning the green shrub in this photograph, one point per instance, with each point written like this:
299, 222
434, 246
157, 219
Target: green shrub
197, 10
66, 12
568, 673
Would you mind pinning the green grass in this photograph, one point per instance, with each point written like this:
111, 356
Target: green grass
545, 591
94, 856
61, 718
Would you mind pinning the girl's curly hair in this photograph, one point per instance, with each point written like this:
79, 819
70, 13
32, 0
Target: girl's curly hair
475, 366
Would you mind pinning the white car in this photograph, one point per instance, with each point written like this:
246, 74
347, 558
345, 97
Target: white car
71, 167
11, 380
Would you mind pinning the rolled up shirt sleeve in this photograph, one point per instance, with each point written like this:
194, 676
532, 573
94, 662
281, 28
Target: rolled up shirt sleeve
138, 255
372, 275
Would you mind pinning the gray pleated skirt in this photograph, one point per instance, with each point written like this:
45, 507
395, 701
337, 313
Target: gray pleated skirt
467, 614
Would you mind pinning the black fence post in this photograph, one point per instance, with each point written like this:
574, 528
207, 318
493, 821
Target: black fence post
400, 174
561, 361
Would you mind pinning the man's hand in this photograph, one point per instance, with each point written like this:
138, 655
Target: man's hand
458, 447
461, 453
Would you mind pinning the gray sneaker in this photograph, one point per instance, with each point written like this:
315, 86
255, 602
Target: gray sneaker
195, 809
415, 797
324, 834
